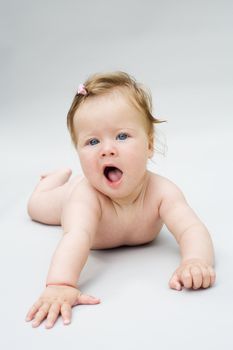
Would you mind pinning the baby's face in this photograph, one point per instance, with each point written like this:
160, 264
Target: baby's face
113, 144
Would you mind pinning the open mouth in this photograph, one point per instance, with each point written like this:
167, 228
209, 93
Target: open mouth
112, 173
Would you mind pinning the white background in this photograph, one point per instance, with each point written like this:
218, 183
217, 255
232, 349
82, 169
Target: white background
182, 51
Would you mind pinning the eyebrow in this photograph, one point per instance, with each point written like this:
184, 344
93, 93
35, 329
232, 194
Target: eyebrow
93, 132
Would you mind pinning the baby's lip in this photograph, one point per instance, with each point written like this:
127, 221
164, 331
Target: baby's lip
108, 167
111, 166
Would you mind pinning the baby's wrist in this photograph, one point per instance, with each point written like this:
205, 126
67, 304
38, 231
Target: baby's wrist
195, 260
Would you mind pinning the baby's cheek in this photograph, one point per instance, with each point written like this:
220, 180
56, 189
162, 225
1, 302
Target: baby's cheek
137, 158
90, 169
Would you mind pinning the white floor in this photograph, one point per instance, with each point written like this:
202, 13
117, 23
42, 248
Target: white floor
181, 51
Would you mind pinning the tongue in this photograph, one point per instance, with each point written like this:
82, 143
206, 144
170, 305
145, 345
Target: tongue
114, 175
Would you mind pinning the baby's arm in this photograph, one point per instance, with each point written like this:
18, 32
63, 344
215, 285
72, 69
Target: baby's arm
79, 220
196, 268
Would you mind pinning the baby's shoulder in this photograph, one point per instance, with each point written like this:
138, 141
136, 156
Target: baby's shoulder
159, 180
81, 190
163, 186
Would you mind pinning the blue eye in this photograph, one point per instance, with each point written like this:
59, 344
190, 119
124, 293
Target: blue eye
93, 142
122, 136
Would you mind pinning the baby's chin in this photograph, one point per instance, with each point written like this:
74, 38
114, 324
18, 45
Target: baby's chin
121, 189
111, 189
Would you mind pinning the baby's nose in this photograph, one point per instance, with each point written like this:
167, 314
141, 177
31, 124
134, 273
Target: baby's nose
108, 151
107, 154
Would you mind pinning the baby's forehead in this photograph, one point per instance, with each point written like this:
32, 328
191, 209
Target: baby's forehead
109, 105
111, 113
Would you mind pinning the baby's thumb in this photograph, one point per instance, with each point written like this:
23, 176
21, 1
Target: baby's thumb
85, 299
174, 282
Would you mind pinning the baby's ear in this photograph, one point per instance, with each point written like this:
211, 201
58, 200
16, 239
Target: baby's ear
151, 145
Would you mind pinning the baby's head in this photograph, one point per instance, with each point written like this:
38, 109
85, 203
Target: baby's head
105, 83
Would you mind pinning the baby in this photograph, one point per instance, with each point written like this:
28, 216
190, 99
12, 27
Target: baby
117, 201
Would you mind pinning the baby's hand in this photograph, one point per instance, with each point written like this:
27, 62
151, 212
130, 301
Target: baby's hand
55, 300
193, 273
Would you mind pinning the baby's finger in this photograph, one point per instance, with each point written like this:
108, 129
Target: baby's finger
174, 282
52, 315
205, 278
87, 300
196, 277
212, 275
41, 314
186, 278
33, 310
66, 313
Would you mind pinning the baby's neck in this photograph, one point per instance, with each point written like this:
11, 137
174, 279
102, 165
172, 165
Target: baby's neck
136, 196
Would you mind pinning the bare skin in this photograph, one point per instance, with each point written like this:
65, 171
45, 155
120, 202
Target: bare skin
127, 206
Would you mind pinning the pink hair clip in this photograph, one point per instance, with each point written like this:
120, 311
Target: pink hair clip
82, 90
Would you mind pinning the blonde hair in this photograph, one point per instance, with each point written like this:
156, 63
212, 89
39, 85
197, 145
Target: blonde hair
102, 83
